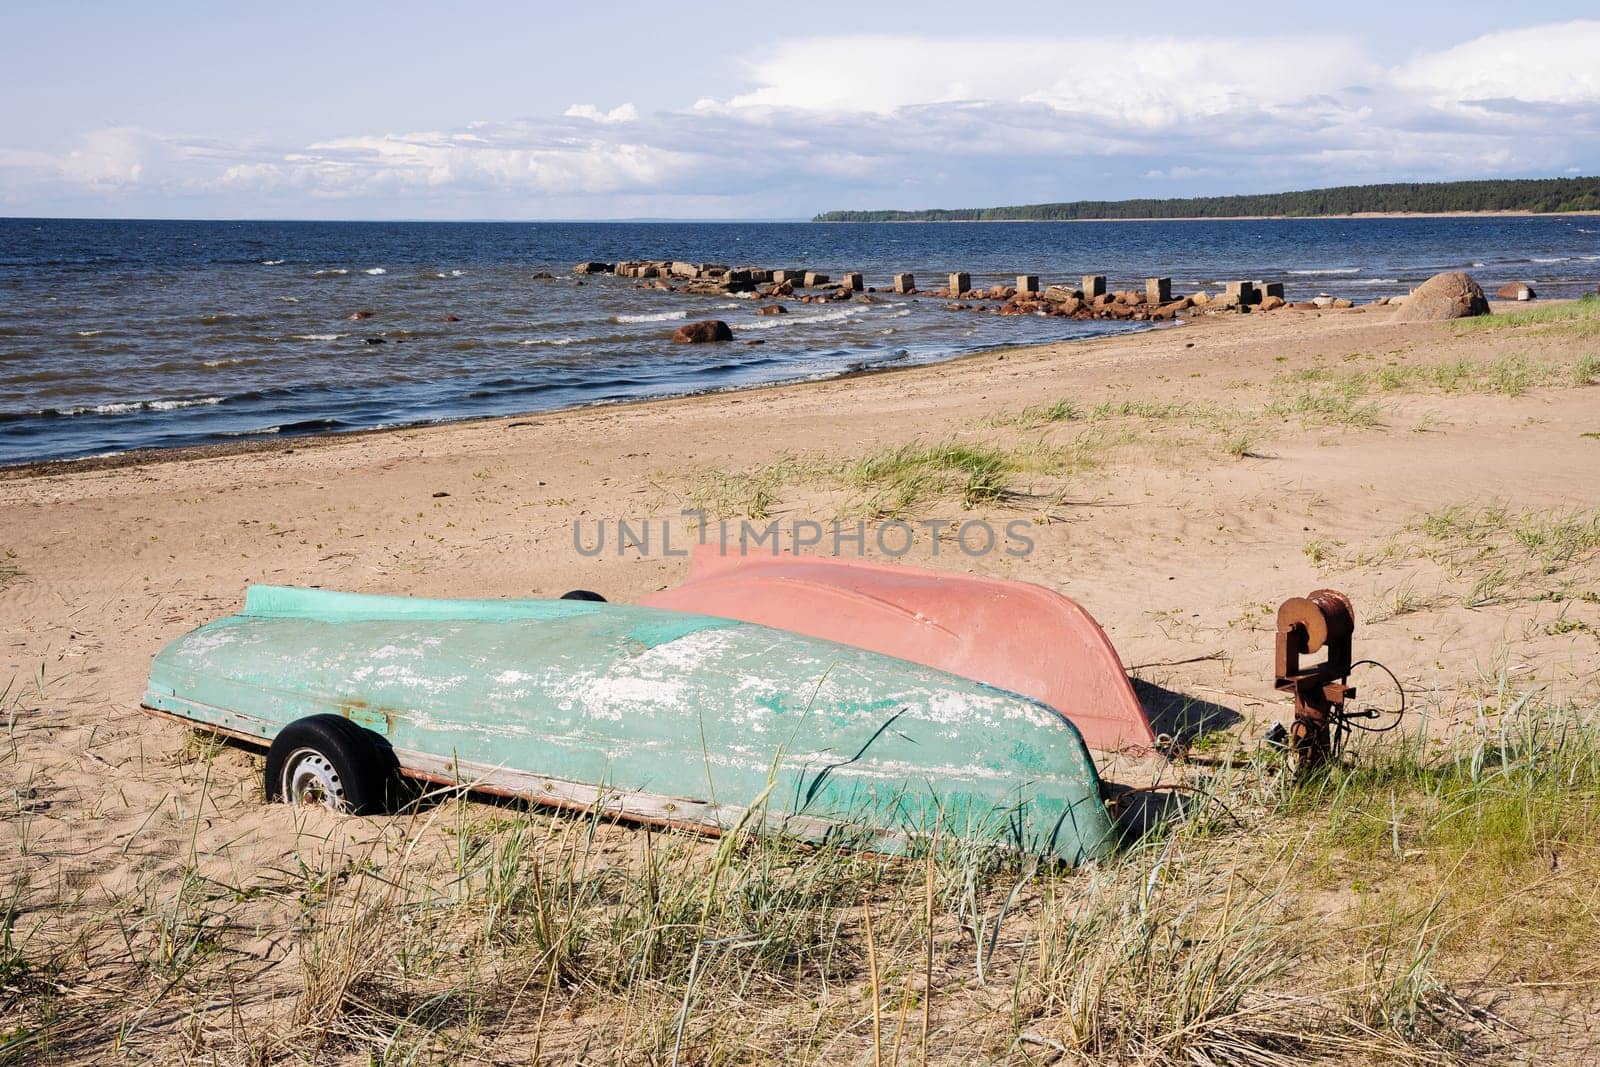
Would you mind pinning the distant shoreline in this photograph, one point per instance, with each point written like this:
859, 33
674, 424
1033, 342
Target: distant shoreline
1233, 218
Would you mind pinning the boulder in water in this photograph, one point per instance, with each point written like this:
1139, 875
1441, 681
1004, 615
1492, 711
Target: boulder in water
703, 332
1515, 291
1451, 295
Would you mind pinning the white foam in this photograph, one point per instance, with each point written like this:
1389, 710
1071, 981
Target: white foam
88, 333
316, 336
173, 405
219, 362
1549, 259
271, 262
557, 341
829, 316
331, 273
1328, 270
374, 270
290, 299
664, 316
123, 407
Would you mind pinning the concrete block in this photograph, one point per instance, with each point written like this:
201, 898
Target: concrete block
814, 279
853, 279
1158, 290
1243, 292
905, 283
1027, 283
960, 282
1094, 285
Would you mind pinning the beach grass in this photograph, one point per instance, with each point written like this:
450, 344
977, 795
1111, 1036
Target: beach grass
1511, 375
753, 492
9, 570
1579, 317
1354, 916
897, 478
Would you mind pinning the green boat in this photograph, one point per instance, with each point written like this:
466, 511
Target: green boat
645, 714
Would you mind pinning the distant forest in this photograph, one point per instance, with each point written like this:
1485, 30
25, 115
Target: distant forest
1534, 194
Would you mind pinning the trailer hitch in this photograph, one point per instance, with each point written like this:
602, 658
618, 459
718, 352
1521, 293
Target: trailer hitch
1323, 619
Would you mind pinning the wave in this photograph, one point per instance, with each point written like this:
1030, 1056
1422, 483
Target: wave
556, 341
124, 407
374, 270
766, 323
1327, 270
664, 316
271, 262
173, 405
450, 274
87, 333
332, 272
1549, 259
775, 321
829, 316
220, 362
315, 336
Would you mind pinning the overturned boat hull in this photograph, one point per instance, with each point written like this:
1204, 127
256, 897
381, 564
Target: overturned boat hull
651, 715
1013, 635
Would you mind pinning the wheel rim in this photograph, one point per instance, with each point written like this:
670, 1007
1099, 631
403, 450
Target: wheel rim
311, 780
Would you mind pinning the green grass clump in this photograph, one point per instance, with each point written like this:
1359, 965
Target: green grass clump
1508, 376
1330, 408
1490, 837
1581, 317
899, 477
752, 493
1062, 410
1586, 370
1156, 410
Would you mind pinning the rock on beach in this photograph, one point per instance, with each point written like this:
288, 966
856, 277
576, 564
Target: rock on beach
1451, 295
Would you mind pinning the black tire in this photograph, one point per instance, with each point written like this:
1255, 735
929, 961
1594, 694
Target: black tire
355, 769
583, 594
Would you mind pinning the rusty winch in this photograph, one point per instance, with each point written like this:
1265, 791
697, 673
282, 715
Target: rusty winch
1321, 620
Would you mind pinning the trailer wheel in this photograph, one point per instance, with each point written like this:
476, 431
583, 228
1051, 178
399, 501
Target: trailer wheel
583, 594
328, 760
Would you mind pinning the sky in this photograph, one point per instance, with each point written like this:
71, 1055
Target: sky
534, 110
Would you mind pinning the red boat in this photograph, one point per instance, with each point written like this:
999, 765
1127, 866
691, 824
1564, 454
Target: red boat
1012, 635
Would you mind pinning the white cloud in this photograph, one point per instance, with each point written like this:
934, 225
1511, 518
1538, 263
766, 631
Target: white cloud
1553, 64
871, 120
621, 113
1148, 82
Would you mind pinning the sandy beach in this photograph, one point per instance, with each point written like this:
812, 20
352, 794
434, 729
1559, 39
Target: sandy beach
1179, 483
